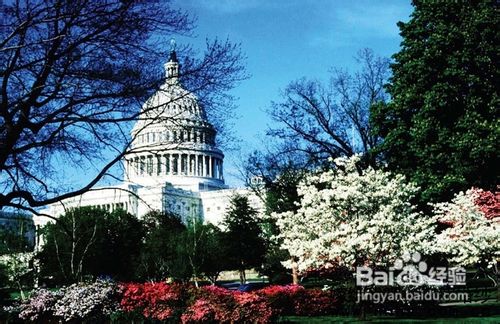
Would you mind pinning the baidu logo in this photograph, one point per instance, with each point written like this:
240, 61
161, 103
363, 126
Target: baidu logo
410, 270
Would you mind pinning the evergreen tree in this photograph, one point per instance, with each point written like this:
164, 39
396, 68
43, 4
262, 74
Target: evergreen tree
164, 254
243, 236
442, 128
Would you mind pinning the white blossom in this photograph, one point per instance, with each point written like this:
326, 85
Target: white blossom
349, 218
472, 238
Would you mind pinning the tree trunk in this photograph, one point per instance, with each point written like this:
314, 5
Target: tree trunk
243, 277
295, 273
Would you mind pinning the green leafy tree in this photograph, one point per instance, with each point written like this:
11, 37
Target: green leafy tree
243, 236
279, 176
442, 128
205, 249
15, 257
164, 253
91, 242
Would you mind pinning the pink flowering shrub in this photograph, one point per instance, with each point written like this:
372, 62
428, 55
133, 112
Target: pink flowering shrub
202, 311
39, 306
225, 306
488, 202
212, 303
155, 300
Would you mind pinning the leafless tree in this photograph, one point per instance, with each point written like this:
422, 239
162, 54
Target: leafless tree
73, 77
332, 120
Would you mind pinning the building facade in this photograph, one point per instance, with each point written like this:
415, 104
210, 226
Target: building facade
173, 164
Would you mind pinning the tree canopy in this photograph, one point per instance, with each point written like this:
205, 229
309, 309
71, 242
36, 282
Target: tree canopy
242, 236
73, 75
441, 128
164, 253
350, 219
329, 120
91, 242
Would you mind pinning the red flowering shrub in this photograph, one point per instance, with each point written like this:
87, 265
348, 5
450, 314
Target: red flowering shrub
296, 300
252, 308
201, 311
161, 301
157, 300
281, 298
314, 302
225, 306
216, 303
488, 202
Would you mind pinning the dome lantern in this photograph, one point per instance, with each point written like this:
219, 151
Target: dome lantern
172, 66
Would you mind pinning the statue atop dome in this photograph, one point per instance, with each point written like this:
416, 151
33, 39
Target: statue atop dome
172, 66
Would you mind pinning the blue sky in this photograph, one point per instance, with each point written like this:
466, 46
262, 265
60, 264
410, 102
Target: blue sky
286, 40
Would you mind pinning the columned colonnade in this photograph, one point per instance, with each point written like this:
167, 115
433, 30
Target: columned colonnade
189, 164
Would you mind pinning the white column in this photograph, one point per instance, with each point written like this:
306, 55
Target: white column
210, 167
192, 165
127, 168
171, 171
204, 164
222, 169
198, 167
179, 163
154, 162
159, 166
196, 164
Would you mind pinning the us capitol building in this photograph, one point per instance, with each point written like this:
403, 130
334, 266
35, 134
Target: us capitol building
173, 164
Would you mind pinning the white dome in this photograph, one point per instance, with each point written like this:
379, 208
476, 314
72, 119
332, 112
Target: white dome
173, 141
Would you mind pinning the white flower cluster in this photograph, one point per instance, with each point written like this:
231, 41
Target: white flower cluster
40, 304
76, 302
349, 218
80, 301
472, 238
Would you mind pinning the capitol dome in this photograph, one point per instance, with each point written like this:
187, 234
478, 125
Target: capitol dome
173, 141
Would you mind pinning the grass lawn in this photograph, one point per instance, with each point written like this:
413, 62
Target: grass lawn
476, 312
383, 319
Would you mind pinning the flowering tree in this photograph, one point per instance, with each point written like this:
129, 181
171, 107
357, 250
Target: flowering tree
473, 235
352, 218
